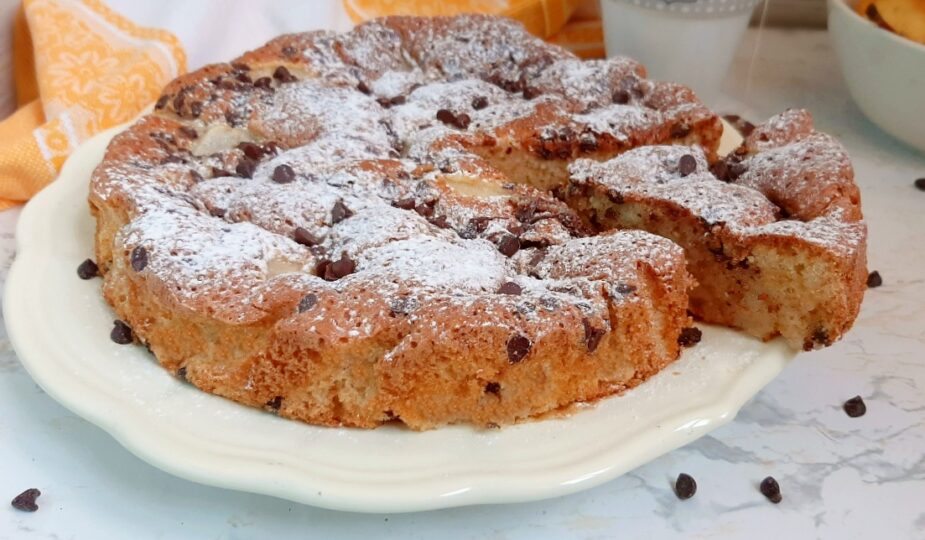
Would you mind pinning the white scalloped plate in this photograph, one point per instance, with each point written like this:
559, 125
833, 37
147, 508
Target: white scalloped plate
60, 326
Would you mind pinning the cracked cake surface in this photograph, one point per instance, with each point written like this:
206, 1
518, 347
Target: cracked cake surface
384, 224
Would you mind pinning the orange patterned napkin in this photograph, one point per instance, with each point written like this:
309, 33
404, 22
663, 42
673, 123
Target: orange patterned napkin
79, 68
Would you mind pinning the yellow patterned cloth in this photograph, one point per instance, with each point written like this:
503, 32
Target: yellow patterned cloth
79, 68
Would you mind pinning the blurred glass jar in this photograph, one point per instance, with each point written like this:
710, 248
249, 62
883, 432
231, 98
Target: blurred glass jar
686, 41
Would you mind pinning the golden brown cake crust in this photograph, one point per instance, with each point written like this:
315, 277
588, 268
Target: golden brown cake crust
313, 228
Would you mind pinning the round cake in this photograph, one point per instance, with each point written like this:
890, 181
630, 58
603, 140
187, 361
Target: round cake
447, 220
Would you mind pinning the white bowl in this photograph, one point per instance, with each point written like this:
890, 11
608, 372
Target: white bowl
885, 73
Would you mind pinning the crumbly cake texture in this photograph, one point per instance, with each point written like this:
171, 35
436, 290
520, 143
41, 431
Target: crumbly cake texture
358, 228
773, 234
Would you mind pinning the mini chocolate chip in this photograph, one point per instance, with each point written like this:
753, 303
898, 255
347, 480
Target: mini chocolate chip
246, 168
621, 96
592, 335
121, 333
771, 489
518, 347
680, 130
25, 501
307, 302
161, 102
340, 212
509, 287
196, 109
509, 245
531, 92
689, 336
587, 142
920, 184
263, 82
321, 268
463, 120
363, 87
440, 221
874, 280
88, 269
282, 75
404, 204
181, 373
283, 174
479, 102
397, 100
685, 486
425, 210
217, 211
687, 164
493, 388
735, 170
720, 170
275, 403
302, 236
855, 407
339, 268
216, 172
446, 116
625, 288
251, 150
384, 102
139, 258
188, 132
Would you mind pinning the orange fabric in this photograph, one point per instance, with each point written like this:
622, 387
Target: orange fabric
79, 68
541, 17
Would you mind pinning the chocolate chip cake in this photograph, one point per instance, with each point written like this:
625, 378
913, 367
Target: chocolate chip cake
447, 220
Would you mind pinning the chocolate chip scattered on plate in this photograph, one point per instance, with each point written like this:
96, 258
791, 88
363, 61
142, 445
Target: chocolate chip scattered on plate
25, 501
874, 280
121, 333
685, 486
88, 269
690, 336
771, 489
855, 407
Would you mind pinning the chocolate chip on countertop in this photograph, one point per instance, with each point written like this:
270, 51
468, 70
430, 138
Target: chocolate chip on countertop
509, 245
139, 258
307, 302
920, 184
518, 347
88, 270
685, 486
25, 501
874, 280
689, 336
687, 164
771, 489
855, 407
510, 287
121, 333
340, 212
283, 174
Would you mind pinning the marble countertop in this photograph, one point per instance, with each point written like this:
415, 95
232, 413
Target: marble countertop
840, 477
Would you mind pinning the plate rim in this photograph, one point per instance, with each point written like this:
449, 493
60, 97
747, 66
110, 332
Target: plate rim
209, 464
